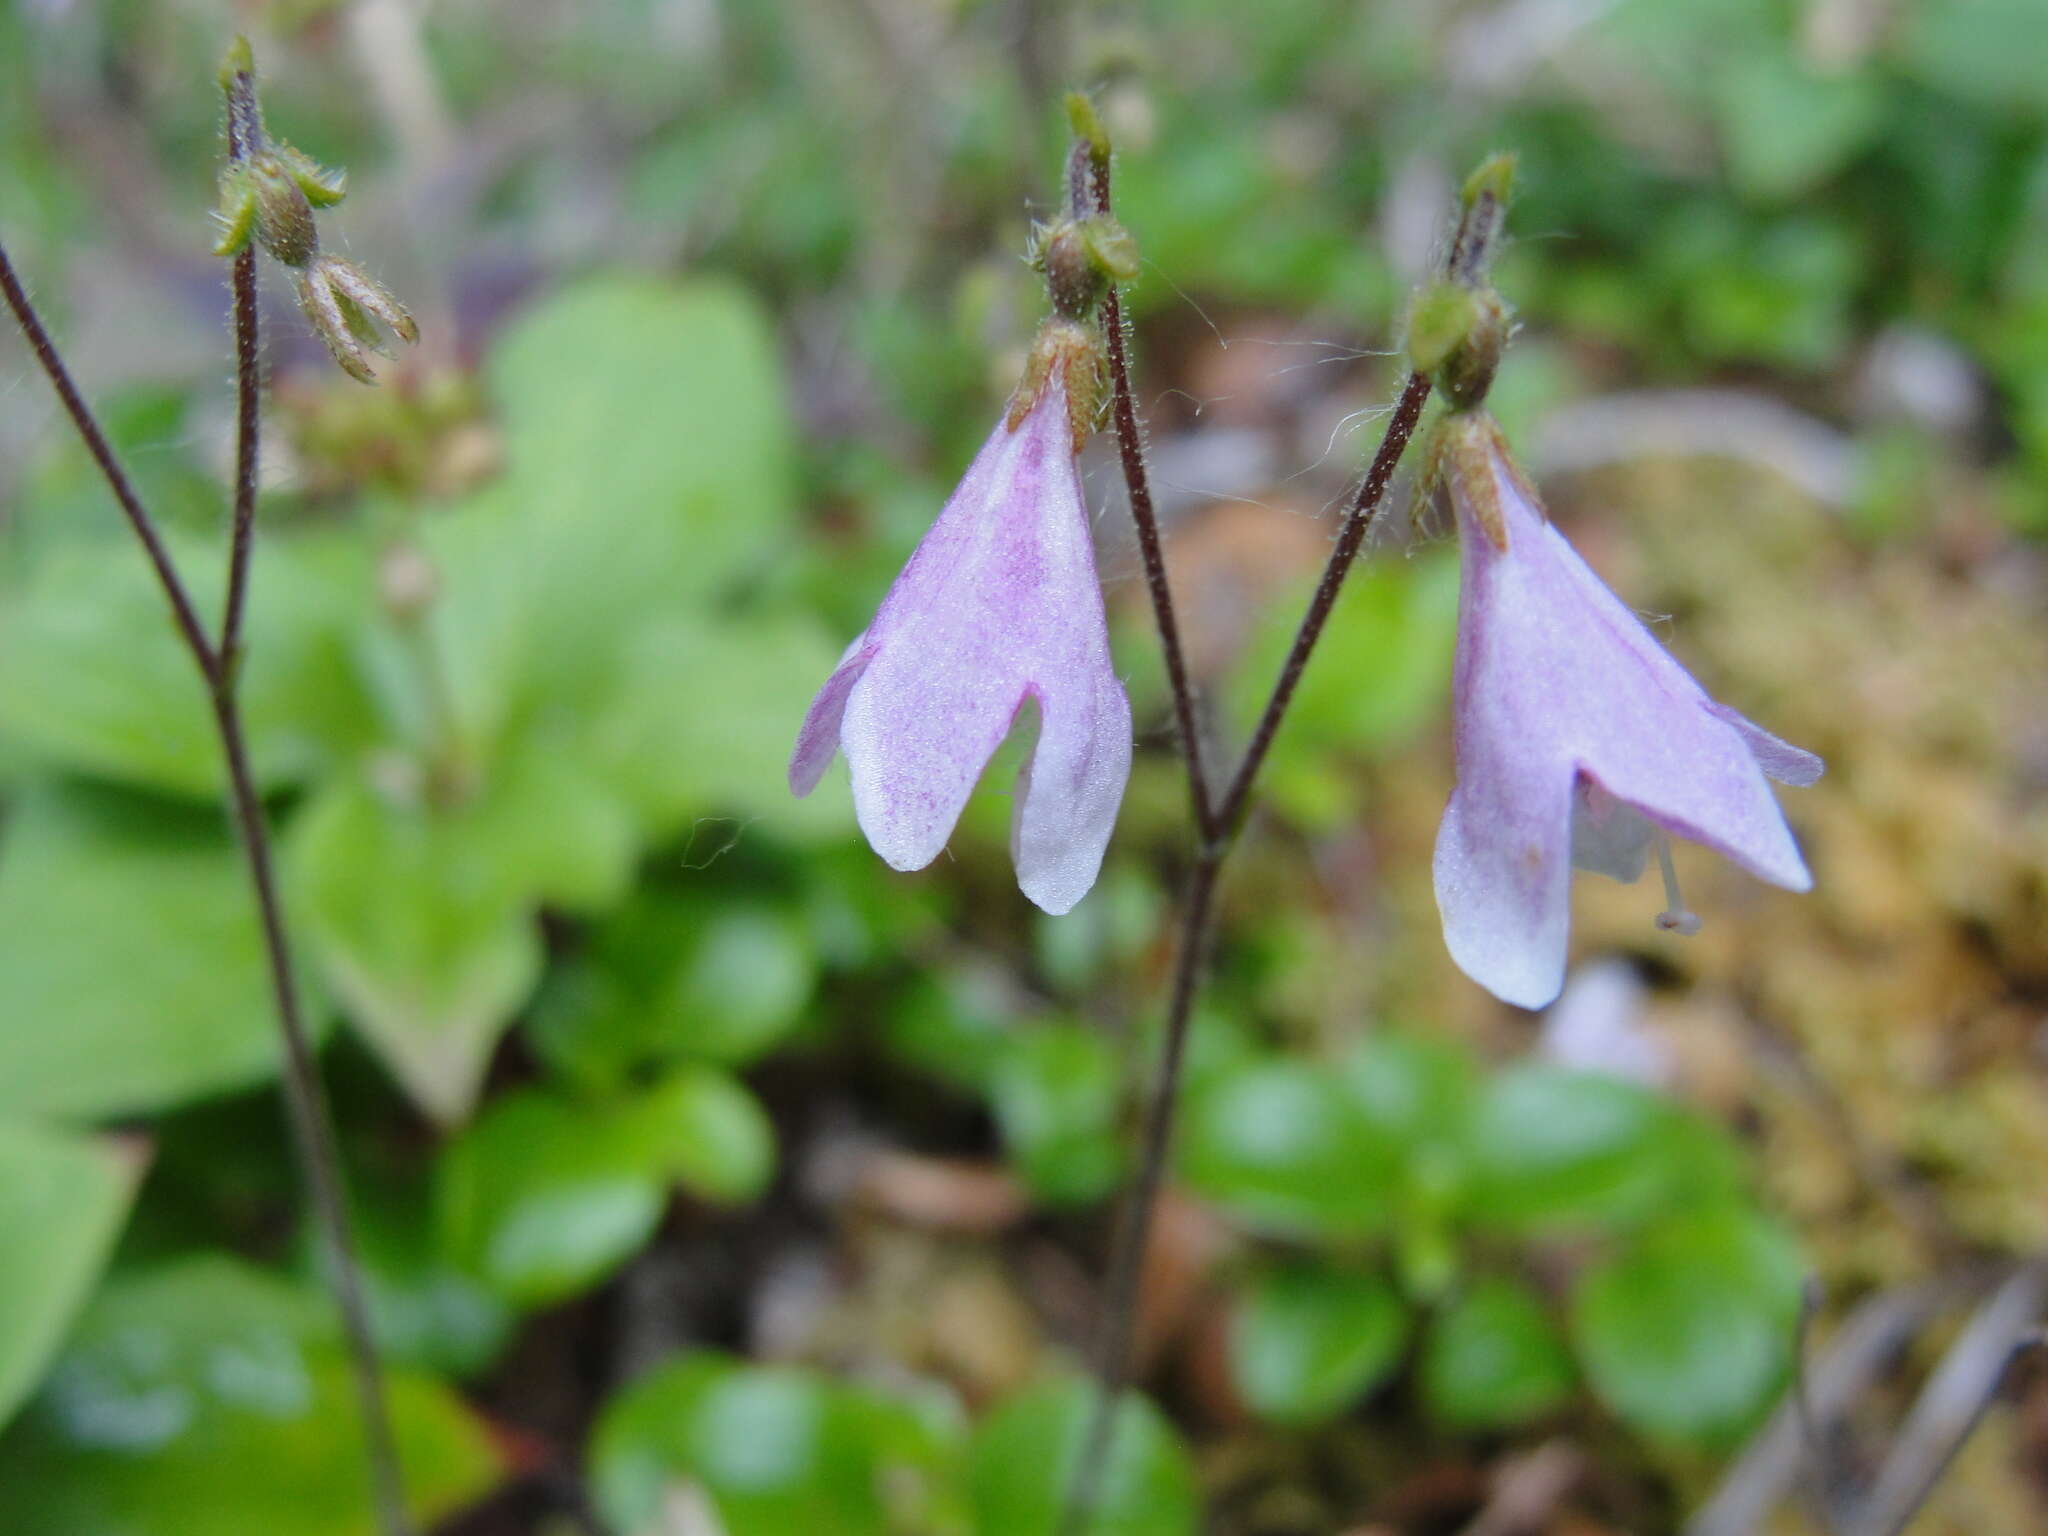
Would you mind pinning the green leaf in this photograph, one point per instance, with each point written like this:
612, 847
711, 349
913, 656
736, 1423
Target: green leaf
544, 1196
422, 917
541, 1197
1688, 1334
648, 467
206, 1398
741, 983
1026, 1453
1787, 128
1552, 1145
774, 1449
1492, 1358
701, 720
1057, 1092
63, 1198
1985, 52
711, 1134
131, 963
1411, 1088
1381, 673
1307, 1343
426, 1310
93, 677
670, 979
1283, 1145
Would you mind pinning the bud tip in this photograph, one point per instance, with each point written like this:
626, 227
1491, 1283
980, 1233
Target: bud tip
238, 61
1087, 125
1495, 177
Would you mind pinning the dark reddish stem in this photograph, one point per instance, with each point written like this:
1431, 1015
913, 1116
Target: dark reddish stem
1217, 823
312, 1124
1358, 521
248, 392
1131, 444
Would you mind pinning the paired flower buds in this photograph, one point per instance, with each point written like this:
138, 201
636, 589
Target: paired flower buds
268, 194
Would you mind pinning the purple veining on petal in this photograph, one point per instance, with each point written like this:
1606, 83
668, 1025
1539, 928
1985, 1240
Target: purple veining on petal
1577, 736
998, 603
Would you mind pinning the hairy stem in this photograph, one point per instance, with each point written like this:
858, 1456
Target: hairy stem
248, 391
1217, 822
1358, 520
312, 1126
1118, 1318
1131, 444
183, 611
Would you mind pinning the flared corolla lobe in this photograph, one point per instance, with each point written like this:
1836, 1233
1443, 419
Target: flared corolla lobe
1579, 740
998, 607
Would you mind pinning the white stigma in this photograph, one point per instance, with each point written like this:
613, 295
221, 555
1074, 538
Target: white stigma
1675, 918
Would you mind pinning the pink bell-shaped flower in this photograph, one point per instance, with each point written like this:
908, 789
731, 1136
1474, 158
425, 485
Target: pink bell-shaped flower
1580, 741
999, 606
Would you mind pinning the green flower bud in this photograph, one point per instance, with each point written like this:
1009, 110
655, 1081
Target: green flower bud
1443, 317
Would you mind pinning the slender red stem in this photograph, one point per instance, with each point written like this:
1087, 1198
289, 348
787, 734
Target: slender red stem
311, 1122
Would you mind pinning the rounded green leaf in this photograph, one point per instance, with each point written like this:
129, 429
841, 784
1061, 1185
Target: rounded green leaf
772, 1449
541, 1198
1307, 1343
63, 1198
741, 985
713, 1136
669, 979
94, 678
1282, 1144
1057, 1092
1493, 1358
1555, 1145
423, 916
1025, 1455
206, 1398
131, 963
1688, 1334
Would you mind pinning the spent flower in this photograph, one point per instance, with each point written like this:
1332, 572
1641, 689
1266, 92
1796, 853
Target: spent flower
269, 192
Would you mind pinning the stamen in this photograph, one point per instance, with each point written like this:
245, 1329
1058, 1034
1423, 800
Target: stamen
1674, 918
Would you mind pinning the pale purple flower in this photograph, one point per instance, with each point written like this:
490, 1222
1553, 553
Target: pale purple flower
998, 605
1580, 741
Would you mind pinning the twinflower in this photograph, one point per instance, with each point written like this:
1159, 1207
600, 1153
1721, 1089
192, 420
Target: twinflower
998, 608
1580, 741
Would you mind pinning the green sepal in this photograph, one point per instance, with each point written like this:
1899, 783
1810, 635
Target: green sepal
323, 187
236, 213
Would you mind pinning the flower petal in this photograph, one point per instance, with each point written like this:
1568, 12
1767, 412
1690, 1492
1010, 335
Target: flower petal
1503, 883
999, 602
1069, 790
818, 738
1596, 682
1776, 756
1608, 837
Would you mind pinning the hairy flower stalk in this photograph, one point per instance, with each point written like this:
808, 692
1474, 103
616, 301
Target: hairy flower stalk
998, 608
1581, 742
268, 194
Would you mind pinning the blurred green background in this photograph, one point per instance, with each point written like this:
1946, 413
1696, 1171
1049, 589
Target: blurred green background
715, 1178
